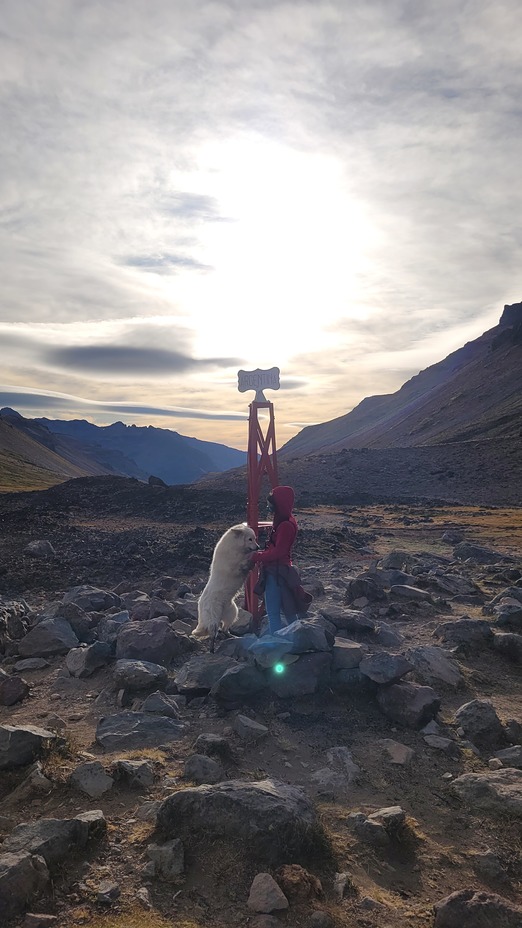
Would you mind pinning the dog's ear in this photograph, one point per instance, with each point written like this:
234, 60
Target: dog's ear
238, 529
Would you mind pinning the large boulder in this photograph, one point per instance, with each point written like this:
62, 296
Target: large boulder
50, 838
384, 667
510, 645
126, 731
305, 676
51, 636
498, 791
199, 674
408, 704
155, 641
479, 554
21, 744
466, 633
468, 908
274, 820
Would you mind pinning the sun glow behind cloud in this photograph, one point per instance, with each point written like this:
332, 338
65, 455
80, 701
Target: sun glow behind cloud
286, 258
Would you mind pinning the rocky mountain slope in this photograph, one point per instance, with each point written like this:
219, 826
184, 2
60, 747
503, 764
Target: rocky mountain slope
375, 782
40, 452
473, 394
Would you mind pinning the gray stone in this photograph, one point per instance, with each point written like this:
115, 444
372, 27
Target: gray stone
42, 548
138, 675
202, 769
51, 636
513, 731
107, 892
392, 817
23, 876
408, 703
272, 818
320, 919
306, 636
478, 553
511, 757
468, 633
31, 663
432, 665
269, 650
50, 838
346, 654
480, 724
22, 744
91, 599
509, 645
162, 704
168, 859
468, 908
126, 731
341, 758
82, 662
154, 641
12, 689
110, 627
239, 682
368, 830
397, 753
384, 667
446, 745
134, 773
330, 784
497, 791
213, 745
349, 619
200, 673
265, 895
248, 729
307, 675
91, 779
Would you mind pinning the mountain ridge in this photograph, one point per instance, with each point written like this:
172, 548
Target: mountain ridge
475, 392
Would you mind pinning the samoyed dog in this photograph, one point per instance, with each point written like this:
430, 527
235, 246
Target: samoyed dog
228, 571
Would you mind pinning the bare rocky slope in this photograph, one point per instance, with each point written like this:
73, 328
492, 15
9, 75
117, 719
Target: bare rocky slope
376, 782
474, 394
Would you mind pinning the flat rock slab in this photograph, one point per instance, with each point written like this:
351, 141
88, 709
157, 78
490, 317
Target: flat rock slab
432, 665
91, 779
274, 819
384, 667
138, 675
497, 791
126, 731
408, 703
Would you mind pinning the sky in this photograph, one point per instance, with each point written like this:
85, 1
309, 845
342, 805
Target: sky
192, 188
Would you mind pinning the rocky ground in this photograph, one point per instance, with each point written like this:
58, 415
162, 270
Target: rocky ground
356, 770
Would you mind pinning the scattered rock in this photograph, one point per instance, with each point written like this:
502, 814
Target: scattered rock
138, 675
203, 769
297, 883
23, 876
384, 667
128, 730
481, 724
168, 859
468, 908
161, 704
509, 644
20, 745
82, 662
42, 548
432, 665
248, 729
398, 753
134, 773
91, 779
154, 641
12, 689
497, 791
265, 895
409, 704
213, 745
51, 636
31, 663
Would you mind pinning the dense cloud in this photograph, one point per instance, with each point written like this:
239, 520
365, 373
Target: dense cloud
330, 187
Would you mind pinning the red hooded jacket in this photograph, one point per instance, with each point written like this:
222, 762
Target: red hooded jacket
283, 533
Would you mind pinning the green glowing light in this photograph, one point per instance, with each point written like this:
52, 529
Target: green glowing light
279, 668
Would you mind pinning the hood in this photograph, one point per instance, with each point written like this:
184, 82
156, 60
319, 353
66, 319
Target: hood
283, 501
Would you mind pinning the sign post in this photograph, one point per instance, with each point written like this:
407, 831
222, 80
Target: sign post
261, 461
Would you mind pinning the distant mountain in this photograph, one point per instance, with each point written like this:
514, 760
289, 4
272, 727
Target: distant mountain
36, 453
473, 394
162, 452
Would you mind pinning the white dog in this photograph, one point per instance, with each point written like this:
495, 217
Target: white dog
228, 571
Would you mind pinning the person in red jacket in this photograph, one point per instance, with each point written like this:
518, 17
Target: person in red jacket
276, 558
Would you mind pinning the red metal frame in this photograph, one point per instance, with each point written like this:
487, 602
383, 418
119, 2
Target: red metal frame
261, 460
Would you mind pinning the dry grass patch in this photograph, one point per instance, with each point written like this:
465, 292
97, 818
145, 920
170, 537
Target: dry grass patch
137, 918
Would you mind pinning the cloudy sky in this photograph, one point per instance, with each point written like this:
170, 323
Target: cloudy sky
188, 188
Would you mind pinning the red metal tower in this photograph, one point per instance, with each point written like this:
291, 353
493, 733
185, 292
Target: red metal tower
261, 462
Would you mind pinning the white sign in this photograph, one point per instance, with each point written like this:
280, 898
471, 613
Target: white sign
258, 380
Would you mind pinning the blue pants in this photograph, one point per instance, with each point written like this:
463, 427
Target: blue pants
273, 604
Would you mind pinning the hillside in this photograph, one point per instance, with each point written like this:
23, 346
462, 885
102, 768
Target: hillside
38, 453
473, 394
162, 452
